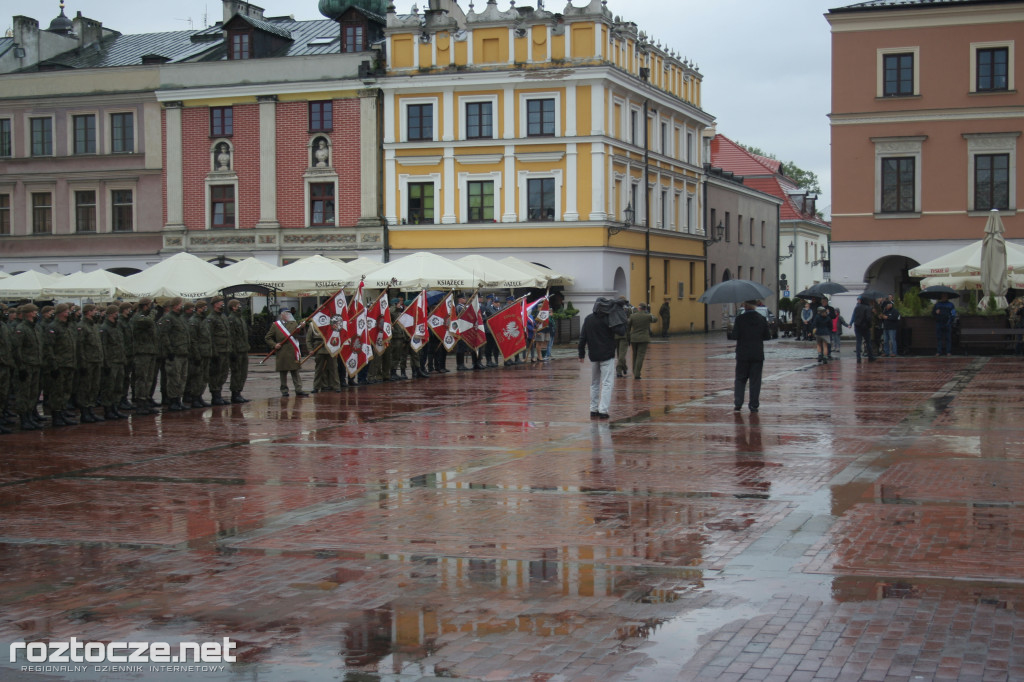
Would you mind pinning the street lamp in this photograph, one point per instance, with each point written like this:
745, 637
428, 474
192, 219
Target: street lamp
717, 234
792, 248
822, 259
629, 215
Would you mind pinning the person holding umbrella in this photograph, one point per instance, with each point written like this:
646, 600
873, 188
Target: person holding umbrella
944, 313
751, 331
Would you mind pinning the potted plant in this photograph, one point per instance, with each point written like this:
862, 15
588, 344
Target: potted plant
567, 323
917, 328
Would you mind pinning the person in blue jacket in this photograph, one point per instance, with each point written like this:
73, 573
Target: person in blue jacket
944, 313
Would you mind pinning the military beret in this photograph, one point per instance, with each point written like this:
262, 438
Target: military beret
201, 303
45, 309
111, 310
88, 308
216, 299
61, 307
28, 308
234, 301
145, 301
125, 306
176, 301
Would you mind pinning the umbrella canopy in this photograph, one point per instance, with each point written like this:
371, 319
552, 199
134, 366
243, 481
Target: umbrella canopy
735, 291
28, 284
313, 276
362, 265
937, 291
245, 270
872, 294
98, 284
822, 289
993, 260
552, 278
181, 275
422, 270
966, 262
973, 283
501, 275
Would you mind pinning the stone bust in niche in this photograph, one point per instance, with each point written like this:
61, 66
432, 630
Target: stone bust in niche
223, 157
321, 154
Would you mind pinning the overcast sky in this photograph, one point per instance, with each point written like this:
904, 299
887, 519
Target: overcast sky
766, 64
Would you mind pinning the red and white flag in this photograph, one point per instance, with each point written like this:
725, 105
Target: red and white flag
470, 324
542, 308
331, 319
509, 328
290, 339
356, 354
378, 322
414, 319
440, 321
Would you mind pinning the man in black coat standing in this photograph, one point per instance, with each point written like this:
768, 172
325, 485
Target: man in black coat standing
751, 330
597, 339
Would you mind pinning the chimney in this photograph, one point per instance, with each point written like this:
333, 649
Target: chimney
246, 9
89, 31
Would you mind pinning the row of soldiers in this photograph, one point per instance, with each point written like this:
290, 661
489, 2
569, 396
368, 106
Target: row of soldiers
81, 358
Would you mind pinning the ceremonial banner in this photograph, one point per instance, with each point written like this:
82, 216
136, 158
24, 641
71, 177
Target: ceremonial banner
470, 324
440, 321
331, 319
290, 339
414, 320
378, 322
543, 310
356, 354
509, 329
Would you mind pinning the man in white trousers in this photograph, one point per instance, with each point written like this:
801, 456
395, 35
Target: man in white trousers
598, 340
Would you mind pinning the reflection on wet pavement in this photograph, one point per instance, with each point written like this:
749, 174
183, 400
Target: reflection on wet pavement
866, 524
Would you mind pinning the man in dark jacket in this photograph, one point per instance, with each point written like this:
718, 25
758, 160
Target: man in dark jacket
751, 331
862, 317
598, 337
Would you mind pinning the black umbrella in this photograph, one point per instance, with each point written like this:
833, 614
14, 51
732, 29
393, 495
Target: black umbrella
872, 294
735, 291
822, 289
938, 290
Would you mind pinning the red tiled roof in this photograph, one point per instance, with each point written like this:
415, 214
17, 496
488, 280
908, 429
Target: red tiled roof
728, 155
791, 208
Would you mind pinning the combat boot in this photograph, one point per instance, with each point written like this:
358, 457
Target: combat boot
4, 430
176, 405
217, 400
237, 399
27, 424
69, 419
58, 419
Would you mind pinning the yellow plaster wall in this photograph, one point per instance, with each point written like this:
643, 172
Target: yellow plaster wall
490, 45
402, 51
493, 235
538, 43
582, 42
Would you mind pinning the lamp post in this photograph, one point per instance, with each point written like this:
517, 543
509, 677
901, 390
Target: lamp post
629, 215
717, 234
821, 259
792, 248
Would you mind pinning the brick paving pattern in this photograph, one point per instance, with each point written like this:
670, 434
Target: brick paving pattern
867, 524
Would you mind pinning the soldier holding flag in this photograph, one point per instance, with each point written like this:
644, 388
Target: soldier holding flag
281, 338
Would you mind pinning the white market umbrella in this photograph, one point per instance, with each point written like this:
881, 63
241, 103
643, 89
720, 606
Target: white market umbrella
993, 260
28, 284
551, 277
181, 275
966, 262
312, 276
422, 270
4, 275
362, 266
98, 284
973, 283
501, 275
246, 270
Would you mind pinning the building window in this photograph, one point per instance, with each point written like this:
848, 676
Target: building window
727, 225
321, 204
898, 185
991, 182
353, 38
540, 117
689, 147
222, 206
664, 213
5, 214
689, 214
421, 121
751, 231
42, 213
540, 199
84, 134
121, 210
764, 242
321, 116
42, 136
122, 133
898, 70
85, 211
665, 145
992, 69
739, 229
221, 121
421, 203
481, 201
634, 117
479, 120
6, 148
241, 45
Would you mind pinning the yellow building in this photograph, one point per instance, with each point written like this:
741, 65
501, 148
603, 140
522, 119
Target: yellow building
521, 132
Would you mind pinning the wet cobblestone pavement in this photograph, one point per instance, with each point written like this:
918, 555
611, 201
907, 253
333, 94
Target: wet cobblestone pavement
867, 524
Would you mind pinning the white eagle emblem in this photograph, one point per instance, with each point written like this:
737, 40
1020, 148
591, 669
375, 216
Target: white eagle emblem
511, 331
337, 322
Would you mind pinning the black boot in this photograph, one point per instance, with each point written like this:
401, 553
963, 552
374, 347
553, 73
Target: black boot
237, 398
217, 400
176, 405
4, 430
69, 419
108, 413
58, 419
27, 424
125, 406
197, 403
95, 416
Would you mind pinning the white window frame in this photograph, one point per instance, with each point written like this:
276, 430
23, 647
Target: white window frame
28, 137
108, 131
886, 147
524, 97
108, 197
463, 117
403, 196
464, 180
521, 183
218, 180
880, 73
319, 179
72, 218
991, 143
404, 114
1010, 82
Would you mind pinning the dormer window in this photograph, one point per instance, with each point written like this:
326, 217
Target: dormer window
353, 37
240, 45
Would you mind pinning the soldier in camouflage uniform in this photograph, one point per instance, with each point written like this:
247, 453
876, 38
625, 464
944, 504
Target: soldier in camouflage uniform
173, 333
112, 378
90, 363
220, 360
325, 373
144, 347
126, 311
28, 357
239, 357
397, 354
43, 323
201, 345
6, 367
60, 355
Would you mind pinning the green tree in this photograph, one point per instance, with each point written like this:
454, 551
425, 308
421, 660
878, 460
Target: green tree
803, 178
